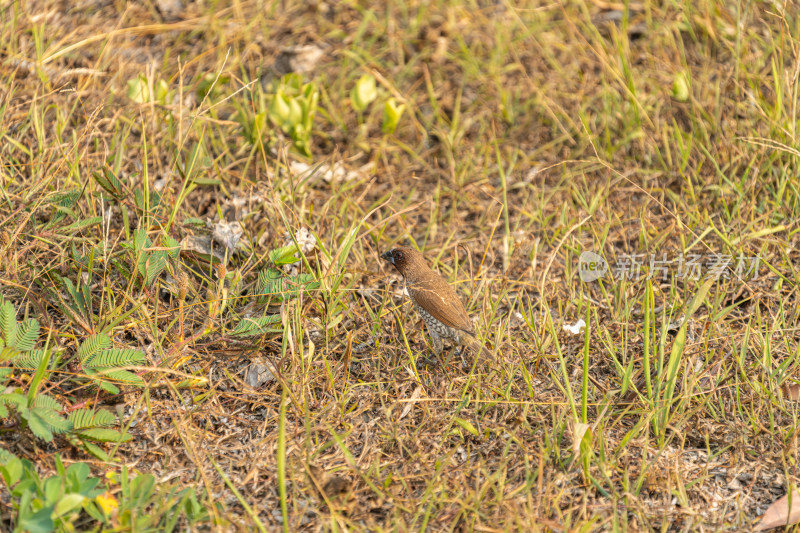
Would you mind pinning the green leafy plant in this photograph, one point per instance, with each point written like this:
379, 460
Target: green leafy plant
105, 365
392, 111
78, 304
290, 105
144, 202
285, 255
363, 93
292, 109
15, 337
144, 91
34, 410
250, 327
109, 181
42, 413
150, 263
145, 504
254, 126
681, 88
210, 85
44, 505
274, 284
90, 426
63, 204
73, 499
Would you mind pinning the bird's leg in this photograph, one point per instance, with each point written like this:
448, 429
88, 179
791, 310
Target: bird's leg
459, 351
437, 342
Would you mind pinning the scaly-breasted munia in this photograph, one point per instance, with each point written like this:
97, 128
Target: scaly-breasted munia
434, 298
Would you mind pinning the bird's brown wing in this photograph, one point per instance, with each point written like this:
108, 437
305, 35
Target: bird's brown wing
439, 299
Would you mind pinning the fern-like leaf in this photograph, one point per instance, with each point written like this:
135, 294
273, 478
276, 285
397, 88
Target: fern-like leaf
8, 353
63, 202
92, 345
95, 450
154, 265
81, 224
285, 255
46, 402
13, 398
272, 283
121, 376
8, 321
255, 326
26, 336
105, 365
103, 435
174, 247
114, 358
141, 240
89, 418
108, 387
18, 401
28, 360
44, 422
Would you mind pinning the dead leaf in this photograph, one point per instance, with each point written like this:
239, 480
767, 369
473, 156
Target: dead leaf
259, 372
778, 514
578, 432
227, 234
200, 247
411, 401
301, 59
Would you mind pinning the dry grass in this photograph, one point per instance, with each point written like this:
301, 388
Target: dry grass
531, 133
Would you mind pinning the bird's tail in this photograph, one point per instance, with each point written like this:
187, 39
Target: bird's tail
475, 346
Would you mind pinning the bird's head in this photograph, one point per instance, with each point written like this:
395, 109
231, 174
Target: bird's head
401, 257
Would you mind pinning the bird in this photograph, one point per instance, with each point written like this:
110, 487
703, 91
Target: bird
434, 299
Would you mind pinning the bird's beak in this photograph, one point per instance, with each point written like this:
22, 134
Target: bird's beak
388, 256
